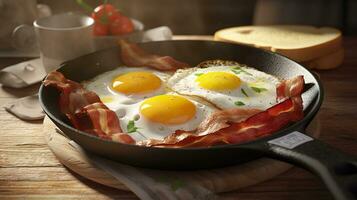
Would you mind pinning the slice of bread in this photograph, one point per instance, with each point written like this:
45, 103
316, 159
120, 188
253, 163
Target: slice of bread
329, 61
300, 43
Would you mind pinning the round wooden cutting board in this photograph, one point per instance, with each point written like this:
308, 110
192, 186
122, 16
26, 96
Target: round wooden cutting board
217, 180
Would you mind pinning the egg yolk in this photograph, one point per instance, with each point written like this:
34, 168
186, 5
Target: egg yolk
168, 109
218, 81
136, 82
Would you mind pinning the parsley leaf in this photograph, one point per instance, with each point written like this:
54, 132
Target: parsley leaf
198, 74
239, 103
131, 126
243, 91
238, 70
258, 90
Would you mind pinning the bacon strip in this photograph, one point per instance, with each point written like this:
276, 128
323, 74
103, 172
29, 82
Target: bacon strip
73, 96
290, 88
133, 56
85, 110
219, 119
257, 126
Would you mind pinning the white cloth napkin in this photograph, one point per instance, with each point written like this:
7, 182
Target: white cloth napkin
19, 76
149, 184
22, 74
26, 108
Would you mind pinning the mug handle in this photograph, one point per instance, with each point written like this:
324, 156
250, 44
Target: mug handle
23, 38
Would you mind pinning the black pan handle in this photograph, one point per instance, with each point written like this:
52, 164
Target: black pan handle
337, 169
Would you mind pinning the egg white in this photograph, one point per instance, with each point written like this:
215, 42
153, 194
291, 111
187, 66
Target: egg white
184, 82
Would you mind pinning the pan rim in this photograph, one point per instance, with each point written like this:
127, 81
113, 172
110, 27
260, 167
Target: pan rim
307, 118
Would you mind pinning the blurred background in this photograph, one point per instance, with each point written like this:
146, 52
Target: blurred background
207, 16
188, 17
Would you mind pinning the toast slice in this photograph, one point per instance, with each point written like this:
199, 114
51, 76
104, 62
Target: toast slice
330, 61
300, 43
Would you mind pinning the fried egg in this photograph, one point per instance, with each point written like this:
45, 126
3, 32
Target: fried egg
159, 116
144, 106
227, 86
127, 85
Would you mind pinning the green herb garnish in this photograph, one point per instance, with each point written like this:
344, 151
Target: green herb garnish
131, 127
243, 91
258, 90
238, 70
239, 103
198, 74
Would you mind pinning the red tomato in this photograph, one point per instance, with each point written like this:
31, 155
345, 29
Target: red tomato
105, 13
122, 25
100, 29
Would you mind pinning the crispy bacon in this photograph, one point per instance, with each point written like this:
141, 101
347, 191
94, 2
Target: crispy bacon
73, 96
290, 88
85, 110
219, 119
256, 126
133, 56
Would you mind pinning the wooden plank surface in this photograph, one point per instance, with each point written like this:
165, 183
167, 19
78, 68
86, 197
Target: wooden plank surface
28, 168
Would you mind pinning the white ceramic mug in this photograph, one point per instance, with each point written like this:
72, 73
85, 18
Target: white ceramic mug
63, 37
16, 17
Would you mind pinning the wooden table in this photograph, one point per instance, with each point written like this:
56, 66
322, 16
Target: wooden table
28, 168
